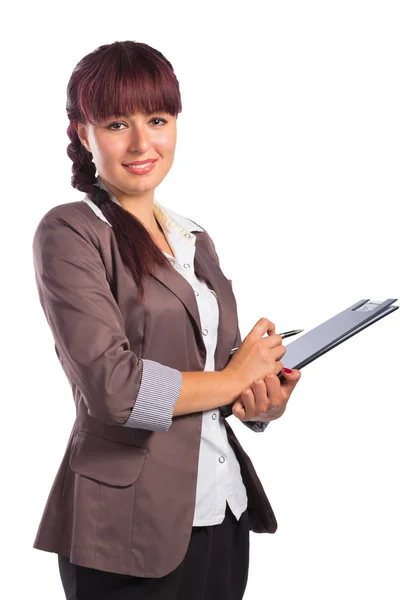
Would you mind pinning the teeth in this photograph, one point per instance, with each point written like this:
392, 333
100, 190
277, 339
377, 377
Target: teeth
140, 166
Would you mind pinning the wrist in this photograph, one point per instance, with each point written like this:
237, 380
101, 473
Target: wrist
232, 385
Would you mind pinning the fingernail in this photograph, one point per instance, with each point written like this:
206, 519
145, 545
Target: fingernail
287, 370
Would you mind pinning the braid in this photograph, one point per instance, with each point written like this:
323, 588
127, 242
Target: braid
83, 169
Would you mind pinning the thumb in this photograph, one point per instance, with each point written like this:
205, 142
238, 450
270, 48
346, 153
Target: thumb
291, 377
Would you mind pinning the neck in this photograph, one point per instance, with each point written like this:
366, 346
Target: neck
139, 205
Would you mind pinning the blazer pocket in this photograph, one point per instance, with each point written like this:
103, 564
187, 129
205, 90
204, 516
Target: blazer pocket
106, 461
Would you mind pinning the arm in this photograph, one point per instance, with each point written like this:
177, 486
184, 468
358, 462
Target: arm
86, 322
180, 393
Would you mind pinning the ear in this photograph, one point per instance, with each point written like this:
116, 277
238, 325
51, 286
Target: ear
82, 134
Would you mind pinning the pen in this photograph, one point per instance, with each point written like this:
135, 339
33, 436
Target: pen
283, 335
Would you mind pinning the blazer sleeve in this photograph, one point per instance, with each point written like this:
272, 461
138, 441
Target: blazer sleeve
257, 426
88, 328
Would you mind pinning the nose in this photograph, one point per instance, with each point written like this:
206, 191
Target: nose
139, 140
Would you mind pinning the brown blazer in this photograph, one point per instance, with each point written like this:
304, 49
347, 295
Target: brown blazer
123, 498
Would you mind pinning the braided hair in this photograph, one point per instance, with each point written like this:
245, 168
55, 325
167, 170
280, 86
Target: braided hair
119, 78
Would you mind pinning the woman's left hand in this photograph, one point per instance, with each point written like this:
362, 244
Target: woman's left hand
266, 399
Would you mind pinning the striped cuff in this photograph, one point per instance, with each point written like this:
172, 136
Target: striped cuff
257, 426
159, 390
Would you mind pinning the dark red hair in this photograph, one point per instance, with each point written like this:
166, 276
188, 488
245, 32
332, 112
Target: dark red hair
121, 78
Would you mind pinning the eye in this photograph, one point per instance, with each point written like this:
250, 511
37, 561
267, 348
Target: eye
159, 119
111, 126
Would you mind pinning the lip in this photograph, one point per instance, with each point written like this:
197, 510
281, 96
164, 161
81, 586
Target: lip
139, 162
136, 170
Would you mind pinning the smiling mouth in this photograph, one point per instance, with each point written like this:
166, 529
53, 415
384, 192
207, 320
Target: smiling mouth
139, 163
141, 168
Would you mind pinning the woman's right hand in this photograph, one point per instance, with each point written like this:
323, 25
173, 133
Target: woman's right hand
257, 357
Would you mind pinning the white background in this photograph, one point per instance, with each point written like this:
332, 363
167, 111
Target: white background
288, 155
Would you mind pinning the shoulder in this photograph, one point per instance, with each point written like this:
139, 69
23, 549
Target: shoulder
74, 215
69, 211
67, 226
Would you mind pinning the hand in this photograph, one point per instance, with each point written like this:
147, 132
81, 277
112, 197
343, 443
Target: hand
257, 356
267, 400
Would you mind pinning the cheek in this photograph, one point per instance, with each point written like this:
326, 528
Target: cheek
106, 148
113, 148
166, 143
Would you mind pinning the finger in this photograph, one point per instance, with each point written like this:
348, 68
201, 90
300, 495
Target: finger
274, 390
245, 405
238, 410
291, 378
249, 402
262, 326
261, 400
273, 339
269, 326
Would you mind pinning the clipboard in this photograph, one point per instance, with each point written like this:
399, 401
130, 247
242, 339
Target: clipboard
330, 334
336, 330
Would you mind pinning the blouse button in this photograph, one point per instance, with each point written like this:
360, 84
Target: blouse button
221, 459
187, 235
196, 293
214, 416
205, 331
186, 265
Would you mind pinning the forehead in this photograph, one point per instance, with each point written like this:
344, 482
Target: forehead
139, 115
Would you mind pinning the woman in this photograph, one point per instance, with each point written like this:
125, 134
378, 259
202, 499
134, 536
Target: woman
155, 496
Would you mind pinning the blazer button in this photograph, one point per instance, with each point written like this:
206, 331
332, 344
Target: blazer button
205, 331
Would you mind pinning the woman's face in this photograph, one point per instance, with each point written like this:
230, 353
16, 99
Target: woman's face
119, 141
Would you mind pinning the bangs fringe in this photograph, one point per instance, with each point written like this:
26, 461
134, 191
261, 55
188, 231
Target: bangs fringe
127, 79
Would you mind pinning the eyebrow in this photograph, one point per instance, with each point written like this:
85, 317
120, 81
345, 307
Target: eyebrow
153, 112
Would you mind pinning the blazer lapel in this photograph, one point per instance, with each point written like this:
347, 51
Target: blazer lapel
178, 285
207, 270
